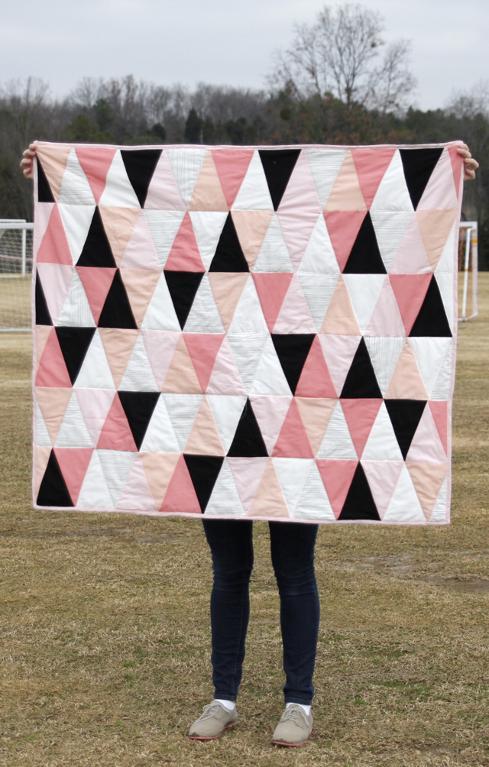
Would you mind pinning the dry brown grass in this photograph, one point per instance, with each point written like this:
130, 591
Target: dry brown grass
105, 636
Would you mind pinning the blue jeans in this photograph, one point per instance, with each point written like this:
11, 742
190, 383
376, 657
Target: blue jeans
292, 550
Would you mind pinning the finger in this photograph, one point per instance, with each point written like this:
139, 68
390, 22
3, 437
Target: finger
464, 152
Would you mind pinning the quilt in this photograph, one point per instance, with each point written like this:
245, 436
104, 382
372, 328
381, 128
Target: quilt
247, 332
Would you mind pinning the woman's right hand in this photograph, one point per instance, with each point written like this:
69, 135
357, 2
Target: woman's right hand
27, 158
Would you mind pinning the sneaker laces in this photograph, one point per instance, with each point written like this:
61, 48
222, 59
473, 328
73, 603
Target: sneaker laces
209, 710
293, 712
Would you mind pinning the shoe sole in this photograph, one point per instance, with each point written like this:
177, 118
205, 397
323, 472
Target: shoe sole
212, 737
288, 744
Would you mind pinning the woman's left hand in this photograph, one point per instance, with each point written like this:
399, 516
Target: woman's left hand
470, 164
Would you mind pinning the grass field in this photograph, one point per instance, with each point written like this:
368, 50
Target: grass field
105, 655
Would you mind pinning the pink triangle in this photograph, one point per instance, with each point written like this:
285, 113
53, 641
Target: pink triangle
297, 226
231, 166
386, 319
343, 227
382, 477
360, 415
160, 347
116, 433
457, 164
94, 405
184, 255
271, 288
410, 291
140, 251
439, 411
315, 380
371, 165
203, 349
56, 281
96, 281
301, 190
337, 476
293, 440
247, 473
95, 162
54, 248
180, 495
52, 369
163, 192
73, 462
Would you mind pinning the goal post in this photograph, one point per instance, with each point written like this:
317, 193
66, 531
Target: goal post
468, 267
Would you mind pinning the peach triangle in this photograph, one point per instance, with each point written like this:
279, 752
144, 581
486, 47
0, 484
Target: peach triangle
293, 441
180, 496
140, 251
181, 376
435, 227
40, 456
184, 254
371, 165
411, 255
439, 411
41, 335
158, 468
337, 477
406, 381
360, 415
119, 225
427, 477
204, 437
315, 380
207, 193
116, 433
140, 285
53, 403
315, 413
346, 193
410, 291
203, 349
54, 248
340, 318
227, 288
251, 227
343, 227
95, 163
271, 288
53, 158
269, 500
247, 474
160, 347
231, 166
118, 344
96, 282
73, 462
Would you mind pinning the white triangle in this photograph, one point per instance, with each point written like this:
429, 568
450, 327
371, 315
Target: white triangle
404, 506
430, 353
224, 499
207, 226
449, 255
95, 371
247, 350
73, 431
160, 313
76, 223
76, 310
204, 316
324, 165
318, 289
163, 225
273, 255
319, 255
382, 443
444, 384
118, 191
447, 291
138, 375
441, 510
160, 435
364, 291
292, 474
390, 229
182, 409
337, 442
254, 193
269, 377
248, 315
75, 189
314, 502
392, 192
116, 465
186, 163
94, 493
41, 435
226, 409
384, 352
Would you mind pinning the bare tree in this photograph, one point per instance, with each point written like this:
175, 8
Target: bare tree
342, 53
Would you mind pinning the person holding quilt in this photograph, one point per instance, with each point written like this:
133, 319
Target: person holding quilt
292, 551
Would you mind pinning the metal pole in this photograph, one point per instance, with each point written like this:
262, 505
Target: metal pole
24, 251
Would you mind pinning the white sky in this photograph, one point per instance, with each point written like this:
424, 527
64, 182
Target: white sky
224, 42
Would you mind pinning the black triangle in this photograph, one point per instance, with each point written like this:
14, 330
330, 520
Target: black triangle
53, 490
182, 286
361, 380
117, 312
96, 250
365, 255
203, 470
418, 166
229, 256
42, 312
432, 319
248, 440
359, 502
405, 415
44, 193
278, 165
138, 407
74, 343
292, 350
140, 165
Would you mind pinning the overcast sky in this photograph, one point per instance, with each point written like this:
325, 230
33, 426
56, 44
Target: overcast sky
224, 42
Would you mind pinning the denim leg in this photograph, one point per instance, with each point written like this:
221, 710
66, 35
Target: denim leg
231, 545
292, 550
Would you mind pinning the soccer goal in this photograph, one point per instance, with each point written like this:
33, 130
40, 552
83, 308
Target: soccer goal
468, 271
15, 274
